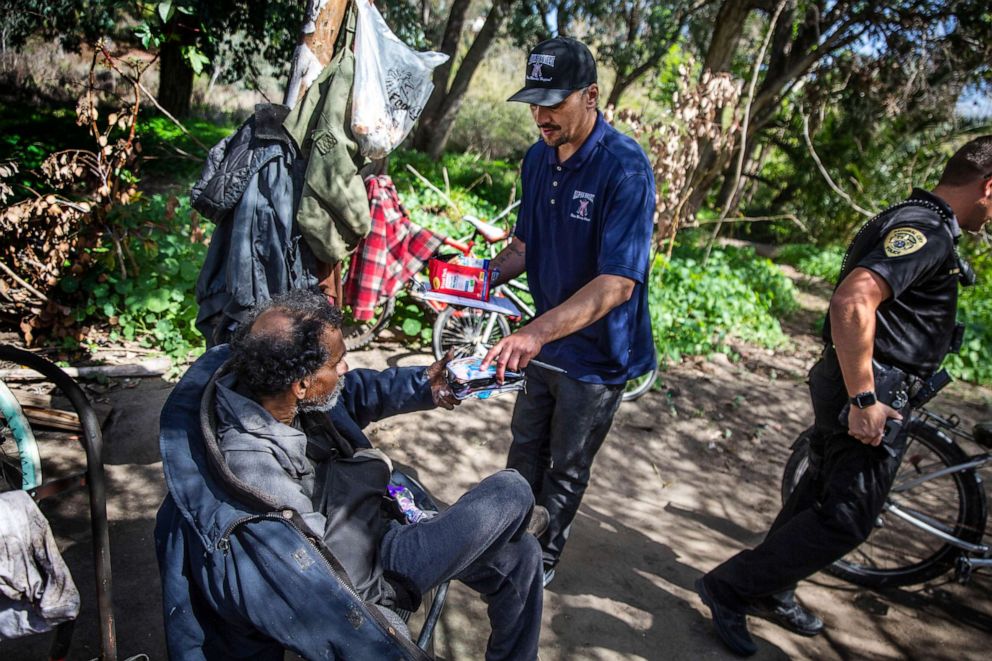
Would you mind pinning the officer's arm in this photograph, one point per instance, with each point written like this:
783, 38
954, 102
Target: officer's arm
510, 262
852, 328
588, 305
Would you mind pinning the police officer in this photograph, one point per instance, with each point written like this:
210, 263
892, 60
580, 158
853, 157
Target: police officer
583, 236
895, 302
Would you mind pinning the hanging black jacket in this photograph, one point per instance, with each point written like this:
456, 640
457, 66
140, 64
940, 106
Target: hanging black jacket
250, 187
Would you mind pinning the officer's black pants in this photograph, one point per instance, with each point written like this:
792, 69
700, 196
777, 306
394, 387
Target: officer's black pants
830, 513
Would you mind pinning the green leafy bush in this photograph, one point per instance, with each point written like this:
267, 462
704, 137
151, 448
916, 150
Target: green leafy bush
155, 303
975, 312
696, 309
822, 262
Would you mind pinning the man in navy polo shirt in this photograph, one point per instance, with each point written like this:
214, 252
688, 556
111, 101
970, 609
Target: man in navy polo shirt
583, 236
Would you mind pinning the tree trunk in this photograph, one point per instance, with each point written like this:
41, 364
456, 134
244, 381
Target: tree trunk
175, 83
432, 137
423, 136
729, 26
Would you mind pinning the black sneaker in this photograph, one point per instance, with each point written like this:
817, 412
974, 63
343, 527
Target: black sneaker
789, 615
731, 625
539, 520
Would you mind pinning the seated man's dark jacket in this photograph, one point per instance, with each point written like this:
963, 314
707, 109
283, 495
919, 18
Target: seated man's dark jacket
243, 575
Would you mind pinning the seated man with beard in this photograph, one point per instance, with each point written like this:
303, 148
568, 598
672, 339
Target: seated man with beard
288, 422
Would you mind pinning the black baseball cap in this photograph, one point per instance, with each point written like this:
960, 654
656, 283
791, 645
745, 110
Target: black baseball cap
556, 68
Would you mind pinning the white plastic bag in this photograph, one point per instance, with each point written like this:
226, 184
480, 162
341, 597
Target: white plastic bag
392, 84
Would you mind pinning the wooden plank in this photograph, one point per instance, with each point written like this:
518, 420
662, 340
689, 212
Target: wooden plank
151, 367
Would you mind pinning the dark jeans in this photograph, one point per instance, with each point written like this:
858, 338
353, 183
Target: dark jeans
482, 541
831, 512
558, 426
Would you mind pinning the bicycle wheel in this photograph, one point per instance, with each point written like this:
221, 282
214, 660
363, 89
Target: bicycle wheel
637, 387
359, 334
464, 331
899, 553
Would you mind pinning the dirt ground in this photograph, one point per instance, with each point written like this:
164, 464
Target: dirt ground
689, 475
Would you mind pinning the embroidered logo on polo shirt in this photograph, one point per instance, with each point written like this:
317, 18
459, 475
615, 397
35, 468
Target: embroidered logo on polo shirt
537, 61
583, 208
903, 241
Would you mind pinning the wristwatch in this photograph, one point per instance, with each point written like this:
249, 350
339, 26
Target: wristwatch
864, 399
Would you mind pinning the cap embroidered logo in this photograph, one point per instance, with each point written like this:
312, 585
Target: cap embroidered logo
537, 61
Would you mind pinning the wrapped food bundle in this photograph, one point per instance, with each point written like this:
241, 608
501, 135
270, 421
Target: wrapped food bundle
467, 379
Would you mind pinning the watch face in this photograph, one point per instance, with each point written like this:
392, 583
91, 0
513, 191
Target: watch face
863, 399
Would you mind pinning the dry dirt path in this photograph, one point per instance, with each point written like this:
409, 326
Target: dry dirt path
688, 476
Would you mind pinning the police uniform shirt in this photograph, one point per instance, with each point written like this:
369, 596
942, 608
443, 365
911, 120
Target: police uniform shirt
588, 216
913, 249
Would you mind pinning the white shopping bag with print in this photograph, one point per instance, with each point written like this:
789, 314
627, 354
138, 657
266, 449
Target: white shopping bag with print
392, 84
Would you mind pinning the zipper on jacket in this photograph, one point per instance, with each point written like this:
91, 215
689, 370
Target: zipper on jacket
224, 542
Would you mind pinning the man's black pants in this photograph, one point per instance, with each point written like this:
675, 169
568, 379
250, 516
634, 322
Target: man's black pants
558, 426
830, 513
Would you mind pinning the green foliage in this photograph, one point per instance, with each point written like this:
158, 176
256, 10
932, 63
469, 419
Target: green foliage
174, 156
157, 305
696, 309
479, 187
412, 321
493, 128
975, 312
813, 260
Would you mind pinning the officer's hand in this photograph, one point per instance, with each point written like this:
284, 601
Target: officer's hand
440, 390
513, 352
868, 424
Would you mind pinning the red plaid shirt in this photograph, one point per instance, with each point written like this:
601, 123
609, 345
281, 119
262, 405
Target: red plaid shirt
392, 252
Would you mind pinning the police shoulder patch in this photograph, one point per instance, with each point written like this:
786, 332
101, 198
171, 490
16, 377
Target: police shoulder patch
903, 241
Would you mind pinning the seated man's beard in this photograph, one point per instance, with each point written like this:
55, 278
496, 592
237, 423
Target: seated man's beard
325, 403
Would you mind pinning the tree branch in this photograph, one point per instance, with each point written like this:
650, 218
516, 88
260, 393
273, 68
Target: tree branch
743, 132
826, 175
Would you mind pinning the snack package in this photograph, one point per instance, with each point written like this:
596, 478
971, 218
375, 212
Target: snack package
407, 505
467, 379
468, 277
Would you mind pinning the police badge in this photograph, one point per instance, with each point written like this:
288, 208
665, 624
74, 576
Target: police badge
903, 241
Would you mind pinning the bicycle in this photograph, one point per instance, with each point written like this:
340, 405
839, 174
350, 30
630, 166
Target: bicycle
471, 331
935, 514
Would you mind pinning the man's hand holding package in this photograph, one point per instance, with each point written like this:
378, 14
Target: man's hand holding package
514, 352
440, 390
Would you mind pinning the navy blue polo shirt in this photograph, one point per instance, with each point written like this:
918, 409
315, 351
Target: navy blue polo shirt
591, 215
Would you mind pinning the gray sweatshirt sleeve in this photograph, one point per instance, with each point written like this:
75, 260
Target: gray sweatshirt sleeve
262, 471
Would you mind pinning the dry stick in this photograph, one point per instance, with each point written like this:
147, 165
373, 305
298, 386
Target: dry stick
151, 97
826, 175
756, 219
434, 188
18, 280
744, 126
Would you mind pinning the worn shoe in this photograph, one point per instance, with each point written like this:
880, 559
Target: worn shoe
790, 615
731, 625
549, 574
539, 520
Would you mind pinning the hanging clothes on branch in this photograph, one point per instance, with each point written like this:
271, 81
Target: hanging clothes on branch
249, 187
333, 215
387, 258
